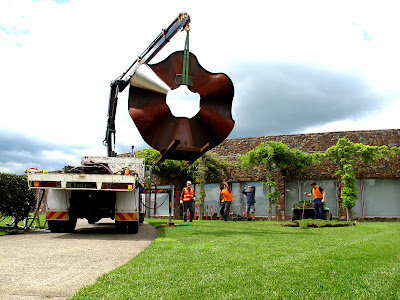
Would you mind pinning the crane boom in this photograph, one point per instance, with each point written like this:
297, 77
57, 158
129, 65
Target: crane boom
119, 84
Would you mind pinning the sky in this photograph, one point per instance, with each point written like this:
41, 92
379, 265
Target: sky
297, 67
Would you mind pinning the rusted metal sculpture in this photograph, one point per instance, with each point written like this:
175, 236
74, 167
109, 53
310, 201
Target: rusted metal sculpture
179, 24
182, 138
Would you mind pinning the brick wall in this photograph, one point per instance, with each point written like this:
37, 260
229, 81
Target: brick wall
313, 142
230, 149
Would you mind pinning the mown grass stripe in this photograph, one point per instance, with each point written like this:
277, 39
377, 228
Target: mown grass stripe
259, 260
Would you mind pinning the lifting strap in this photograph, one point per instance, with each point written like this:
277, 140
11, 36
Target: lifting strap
185, 71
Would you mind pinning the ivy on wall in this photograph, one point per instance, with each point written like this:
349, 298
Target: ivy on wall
207, 168
346, 154
276, 156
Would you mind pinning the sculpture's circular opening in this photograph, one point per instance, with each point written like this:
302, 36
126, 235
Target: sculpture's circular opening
182, 102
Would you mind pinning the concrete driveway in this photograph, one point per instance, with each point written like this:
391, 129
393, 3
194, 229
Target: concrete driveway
45, 265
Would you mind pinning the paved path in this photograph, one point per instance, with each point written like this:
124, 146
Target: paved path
45, 265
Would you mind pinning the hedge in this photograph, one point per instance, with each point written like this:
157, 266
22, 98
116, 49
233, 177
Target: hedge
16, 199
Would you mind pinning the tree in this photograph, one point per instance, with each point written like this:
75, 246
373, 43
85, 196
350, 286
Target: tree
276, 156
167, 171
16, 199
207, 168
346, 154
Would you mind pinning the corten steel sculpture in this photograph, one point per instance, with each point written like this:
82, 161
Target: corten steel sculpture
182, 138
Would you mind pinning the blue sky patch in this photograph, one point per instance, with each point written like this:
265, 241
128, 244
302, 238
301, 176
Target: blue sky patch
367, 37
14, 31
61, 1
56, 1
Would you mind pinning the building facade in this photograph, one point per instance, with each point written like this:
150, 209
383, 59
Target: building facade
378, 183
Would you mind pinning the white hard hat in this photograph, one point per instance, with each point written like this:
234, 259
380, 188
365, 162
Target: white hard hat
188, 182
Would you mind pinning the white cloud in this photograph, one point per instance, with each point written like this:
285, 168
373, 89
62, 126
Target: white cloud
57, 65
385, 119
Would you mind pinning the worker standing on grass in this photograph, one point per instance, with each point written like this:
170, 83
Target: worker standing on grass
187, 199
319, 199
222, 201
227, 198
250, 195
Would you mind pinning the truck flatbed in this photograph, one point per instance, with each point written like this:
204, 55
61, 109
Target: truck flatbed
72, 181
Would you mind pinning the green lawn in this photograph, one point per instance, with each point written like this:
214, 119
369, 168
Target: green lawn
259, 260
4, 221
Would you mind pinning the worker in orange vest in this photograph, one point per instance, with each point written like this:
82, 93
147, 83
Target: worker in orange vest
187, 199
319, 199
222, 204
227, 198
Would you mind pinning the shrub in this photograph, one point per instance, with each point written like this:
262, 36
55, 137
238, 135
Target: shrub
16, 199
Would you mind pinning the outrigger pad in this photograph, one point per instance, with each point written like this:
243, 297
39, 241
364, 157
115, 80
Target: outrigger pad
182, 138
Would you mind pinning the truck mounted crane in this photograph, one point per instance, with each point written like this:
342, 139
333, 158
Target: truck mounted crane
120, 83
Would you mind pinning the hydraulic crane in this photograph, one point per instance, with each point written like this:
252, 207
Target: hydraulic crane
119, 84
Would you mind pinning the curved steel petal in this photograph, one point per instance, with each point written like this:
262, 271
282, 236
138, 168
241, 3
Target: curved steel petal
179, 137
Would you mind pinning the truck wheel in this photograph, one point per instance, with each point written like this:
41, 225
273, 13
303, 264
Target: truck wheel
54, 226
141, 218
133, 227
121, 226
70, 225
62, 226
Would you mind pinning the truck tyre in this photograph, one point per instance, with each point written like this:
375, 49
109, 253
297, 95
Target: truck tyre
121, 226
141, 218
133, 227
54, 226
62, 226
70, 225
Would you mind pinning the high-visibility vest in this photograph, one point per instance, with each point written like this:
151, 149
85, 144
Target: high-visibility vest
226, 195
188, 195
316, 192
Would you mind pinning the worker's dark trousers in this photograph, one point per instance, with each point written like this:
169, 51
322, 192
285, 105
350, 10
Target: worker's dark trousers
319, 209
188, 205
222, 209
227, 209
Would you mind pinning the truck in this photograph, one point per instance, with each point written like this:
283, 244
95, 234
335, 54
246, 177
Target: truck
82, 193
103, 187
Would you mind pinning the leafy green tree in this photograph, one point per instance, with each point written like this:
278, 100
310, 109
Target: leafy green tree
346, 154
167, 169
207, 168
276, 156
16, 199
